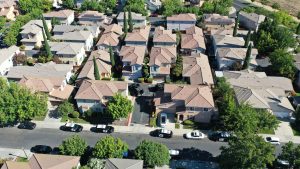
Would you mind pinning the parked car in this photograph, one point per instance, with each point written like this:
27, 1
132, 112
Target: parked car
103, 128
220, 136
162, 133
194, 135
42, 149
72, 127
27, 125
173, 152
163, 119
273, 140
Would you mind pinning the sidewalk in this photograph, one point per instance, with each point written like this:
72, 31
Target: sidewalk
11, 153
136, 128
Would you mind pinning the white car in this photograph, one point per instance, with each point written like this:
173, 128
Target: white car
174, 152
273, 140
195, 135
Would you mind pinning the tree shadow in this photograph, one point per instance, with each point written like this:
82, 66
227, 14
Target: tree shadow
195, 154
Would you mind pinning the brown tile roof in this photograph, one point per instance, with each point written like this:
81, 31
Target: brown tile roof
133, 54
216, 19
41, 84
192, 41
109, 39
59, 14
15, 165
197, 68
192, 95
194, 30
139, 35
62, 94
97, 89
162, 35
103, 62
114, 28
182, 17
228, 41
160, 55
228, 32
90, 14
45, 161
235, 53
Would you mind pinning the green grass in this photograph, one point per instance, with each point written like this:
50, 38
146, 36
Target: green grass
266, 131
75, 120
21, 159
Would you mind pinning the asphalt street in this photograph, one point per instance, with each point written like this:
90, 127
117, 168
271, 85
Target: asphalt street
16, 138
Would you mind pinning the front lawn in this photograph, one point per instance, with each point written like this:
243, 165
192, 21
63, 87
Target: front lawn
189, 124
21, 159
266, 131
65, 118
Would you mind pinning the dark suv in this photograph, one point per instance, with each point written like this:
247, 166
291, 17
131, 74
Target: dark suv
162, 133
220, 136
27, 125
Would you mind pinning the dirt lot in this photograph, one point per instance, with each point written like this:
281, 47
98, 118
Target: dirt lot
291, 6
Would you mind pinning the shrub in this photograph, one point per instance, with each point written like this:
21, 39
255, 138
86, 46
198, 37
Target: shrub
150, 80
177, 125
167, 79
276, 6
22, 47
88, 113
265, 2
298, 15
30, 62
141, 80
188, 122
106, 78
75, 114
152, 122
297, 50
122, 78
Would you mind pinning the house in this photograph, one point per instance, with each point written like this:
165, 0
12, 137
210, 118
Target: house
65, 17
162, 37
181, 21
250, 21
229, 32
138, 37
68, 52
92, 18
194, 102
118, 163
216, 21
45, 161
39, 70
94, 94
153, 5
226, 41
102, 58
85, 37
132, 58
56, 88
32, 34
6, 58
227, 57
196, 70
138, 20
193, 41
9, 9
161, 60
110, 38
262, 91
61, 29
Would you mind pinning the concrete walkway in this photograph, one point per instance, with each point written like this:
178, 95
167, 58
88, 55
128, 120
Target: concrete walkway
136, 128
11, 153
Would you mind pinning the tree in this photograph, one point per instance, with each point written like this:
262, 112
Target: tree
266, 120
109, 147
55, 21
145, 71
177, 69
221, 7
73, 146
29, 5
2, 22
96, 163
169, 6
152, 153
119, 106
70, 4
46, 46
236, 24
112, 57
46, 28
125, 24
19, 103
130, 20
65, 108
291, 153
248, 39
283, 63
249, 151
96, 70
248, 57
298, 29
137, 6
